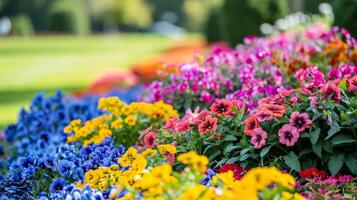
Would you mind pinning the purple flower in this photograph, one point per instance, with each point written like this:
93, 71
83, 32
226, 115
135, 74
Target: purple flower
288, 135
258, 138
300, 121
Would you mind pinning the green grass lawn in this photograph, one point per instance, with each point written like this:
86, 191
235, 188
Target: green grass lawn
49, 63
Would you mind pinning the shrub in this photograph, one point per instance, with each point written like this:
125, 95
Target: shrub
22, 25
69, 16
240, 18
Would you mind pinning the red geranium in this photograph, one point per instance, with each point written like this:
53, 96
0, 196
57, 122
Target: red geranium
312, 172
236, 169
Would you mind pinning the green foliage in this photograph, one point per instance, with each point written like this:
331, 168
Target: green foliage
22, 25
134, 13
345, 14
212, 25
68, 16
240, 18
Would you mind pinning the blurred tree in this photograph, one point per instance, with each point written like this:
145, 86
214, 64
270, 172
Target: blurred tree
162, 7
131, 13
243, 17
22, 25
69, 16
195, 14
345, 12
212, 24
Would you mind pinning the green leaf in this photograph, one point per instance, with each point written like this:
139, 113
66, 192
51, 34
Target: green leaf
335, 163
230, 147
314, 135
230, 138
232, 160
265, 150
211, 157
351, 162
244, 157
244, 151
342, 139
317, 148
333, 130
292, 161
327, 146
342, 85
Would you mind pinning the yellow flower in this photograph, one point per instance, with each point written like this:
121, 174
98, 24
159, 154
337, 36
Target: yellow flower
289, 196
117, 124
193, 160
167, 148
128, 158
149, 152
130, 120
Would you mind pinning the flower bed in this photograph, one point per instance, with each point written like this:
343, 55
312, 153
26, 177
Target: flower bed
274, 119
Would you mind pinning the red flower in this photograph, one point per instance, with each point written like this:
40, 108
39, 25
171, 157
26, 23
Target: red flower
150, 139
277, 110
251, 123
312, 173
209, 125
182, 126
332, 91
221, 107
236, 169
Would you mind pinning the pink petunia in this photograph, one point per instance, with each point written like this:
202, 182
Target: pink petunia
208, 125
170, 124
264, 115
288, 135
258, 138
221, 107
332, 91
182, 126
300, 121
352, 84
150, 139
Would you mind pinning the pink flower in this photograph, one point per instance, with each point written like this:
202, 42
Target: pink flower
300, 121
332, 91
208, 125
334, 74
206, 97
288, 135
345, 178
352, 84
221, 107
170, 124
314, 101
258, 138
182, 126
150, 140
201, 116
264, 115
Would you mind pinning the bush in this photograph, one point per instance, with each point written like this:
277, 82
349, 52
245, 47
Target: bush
22, 25
212, 26
240, 18
69, 16
345, 14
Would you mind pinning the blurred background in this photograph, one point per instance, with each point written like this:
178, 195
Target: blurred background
84, 46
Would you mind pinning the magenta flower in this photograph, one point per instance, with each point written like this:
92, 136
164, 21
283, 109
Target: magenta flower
288, 135
258, 138
334, 74
332, 91
182, 126
300, 121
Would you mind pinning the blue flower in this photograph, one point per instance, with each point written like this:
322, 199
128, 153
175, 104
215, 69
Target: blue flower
50, 162
57, 185
66, 168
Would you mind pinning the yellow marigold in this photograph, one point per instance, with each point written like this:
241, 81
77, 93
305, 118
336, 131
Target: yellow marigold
193, 160
149, 152
126, 110
130, 120
167, 148
109, 103
117, 124
133, 159
289, 196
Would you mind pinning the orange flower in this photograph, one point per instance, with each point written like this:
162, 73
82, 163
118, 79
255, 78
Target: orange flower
277, 110
251, 123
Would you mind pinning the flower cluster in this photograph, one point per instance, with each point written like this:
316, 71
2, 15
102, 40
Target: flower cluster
315, 184
122, 121
161, 182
